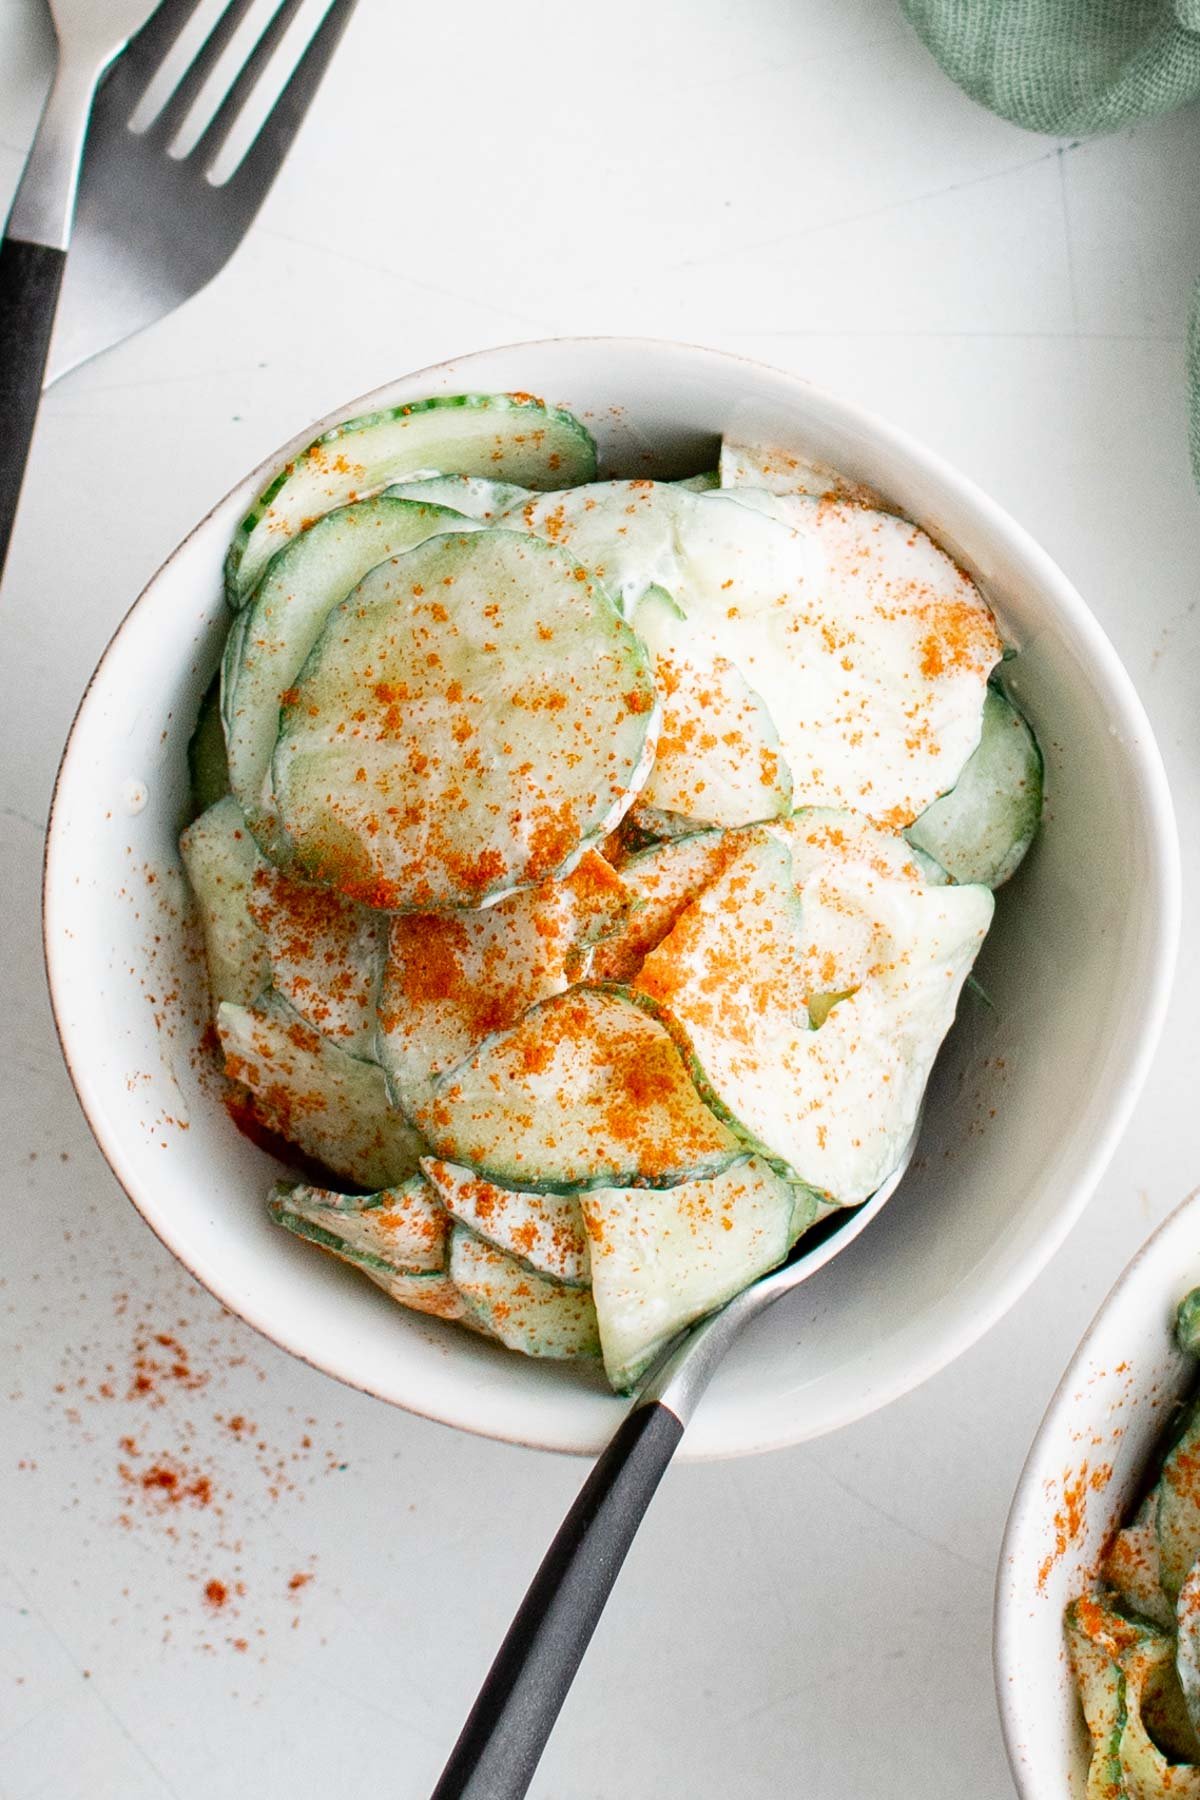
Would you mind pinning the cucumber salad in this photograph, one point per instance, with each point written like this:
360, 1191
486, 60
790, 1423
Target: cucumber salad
589, 868
1135, 1643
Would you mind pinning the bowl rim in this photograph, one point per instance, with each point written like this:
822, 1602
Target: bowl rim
1162, 874
1157, 1253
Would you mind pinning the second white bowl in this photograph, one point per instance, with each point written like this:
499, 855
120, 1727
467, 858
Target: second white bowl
1083, 1475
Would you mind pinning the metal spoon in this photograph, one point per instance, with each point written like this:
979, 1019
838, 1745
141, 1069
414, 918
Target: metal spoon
502, 1741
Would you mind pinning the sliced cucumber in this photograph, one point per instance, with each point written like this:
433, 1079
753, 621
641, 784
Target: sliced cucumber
329, 1104
220, 857
781, 471
1187, 1324
527, 1312
1178, 1518
453, 979
982, 828
208, 764
663, 1259
831, 1107
1187, 1644
545, 1231
326, 955
662, 882
270, 640
719, 759
475, 716
507, 437
1096, 1639
624, 532
472, 495
821, 838
427, 1290
871, 652
700, 484
1130, 1567
404, 1226
1159, 1751
585, 1092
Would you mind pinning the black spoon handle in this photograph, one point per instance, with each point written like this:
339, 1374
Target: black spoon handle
30, 277
503, 1739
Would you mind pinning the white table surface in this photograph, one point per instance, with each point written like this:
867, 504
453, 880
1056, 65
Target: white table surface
789, 178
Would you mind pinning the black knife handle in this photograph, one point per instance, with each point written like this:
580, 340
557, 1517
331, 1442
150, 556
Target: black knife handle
502, 1741
30, 278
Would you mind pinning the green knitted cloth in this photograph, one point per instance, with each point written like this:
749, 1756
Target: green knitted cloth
1072, 67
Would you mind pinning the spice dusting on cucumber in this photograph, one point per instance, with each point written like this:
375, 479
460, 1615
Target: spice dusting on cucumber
1134, 1642
588, 868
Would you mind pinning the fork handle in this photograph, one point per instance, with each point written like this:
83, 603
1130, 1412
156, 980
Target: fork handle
503, 1739
30, 278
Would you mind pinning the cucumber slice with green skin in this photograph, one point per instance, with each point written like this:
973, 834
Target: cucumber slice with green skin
662, 1259
271, 638
1130, 1567
421, 1290
326, 955
453, 979
1096, 1639
473, 496
719, 759
526, 1312
821, 838
831, 1107
1187, 1324
781, 471
1178, 1516
872, 653
305, 1088
471, 720
1187, 1644
584, 1092
1159, 1752
220, 858
507, 437
662, 882
405, 1226
544, 1231
624, 532
208, 765
982, 828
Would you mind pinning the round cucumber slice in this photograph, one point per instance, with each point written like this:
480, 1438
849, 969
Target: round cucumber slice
811, 1017
526, 1312
221, 861
473, 717
404, 1226
664, 1258
310, 1091
544, 1231
585, 1092
507, 437
982, 828
272, 636
326, 955
453, 979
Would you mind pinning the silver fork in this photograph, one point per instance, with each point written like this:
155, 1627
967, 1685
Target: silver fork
153, 225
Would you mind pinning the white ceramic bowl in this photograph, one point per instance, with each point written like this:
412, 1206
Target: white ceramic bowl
1027, 1103
1083, 1474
